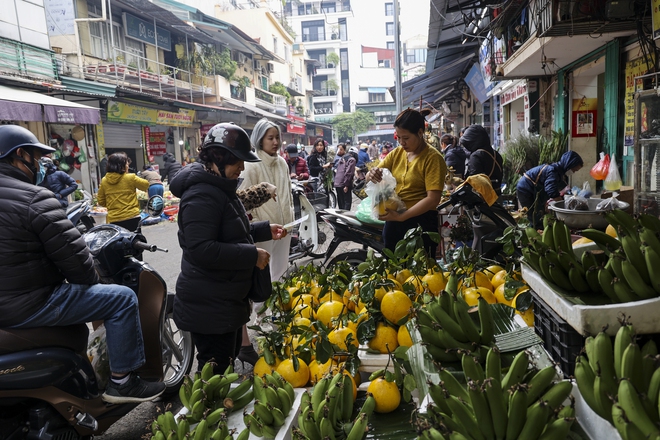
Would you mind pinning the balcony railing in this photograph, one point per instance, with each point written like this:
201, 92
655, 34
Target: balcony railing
159, 78
316, 7
559, 18
270, 98
22, 60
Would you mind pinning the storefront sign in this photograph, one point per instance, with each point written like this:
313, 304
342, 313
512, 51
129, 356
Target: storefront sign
157, 143
583, 119
184, 118
204, 129
634, 68
515, 92
100, 138
655, 4
296, 125
319, 131
59, 17
146, 135
131, 114
143, 30
475, 81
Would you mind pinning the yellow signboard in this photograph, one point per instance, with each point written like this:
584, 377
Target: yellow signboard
100, 138
634, 68
134, 114
184, 118
655, 4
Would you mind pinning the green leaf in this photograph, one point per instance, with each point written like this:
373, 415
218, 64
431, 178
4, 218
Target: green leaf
366, 330
409, 382
524, 301
407, 397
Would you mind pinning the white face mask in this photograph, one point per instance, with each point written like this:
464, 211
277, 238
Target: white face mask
569, 173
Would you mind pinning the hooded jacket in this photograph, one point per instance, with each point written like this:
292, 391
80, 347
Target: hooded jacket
483, 159
455, 157
60, 183
549, 177
39, 247
117, 193
345, 171
219, 255
170, 167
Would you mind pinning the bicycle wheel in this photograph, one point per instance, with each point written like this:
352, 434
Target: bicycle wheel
332, 199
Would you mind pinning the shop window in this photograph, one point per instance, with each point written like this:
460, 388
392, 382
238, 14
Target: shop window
389, 28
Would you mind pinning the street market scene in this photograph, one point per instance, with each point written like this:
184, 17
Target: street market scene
341, 219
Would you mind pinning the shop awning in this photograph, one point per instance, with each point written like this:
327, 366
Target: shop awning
381, 132
24, 105
254, 109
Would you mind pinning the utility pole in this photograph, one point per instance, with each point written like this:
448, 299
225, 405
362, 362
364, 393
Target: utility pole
397, 60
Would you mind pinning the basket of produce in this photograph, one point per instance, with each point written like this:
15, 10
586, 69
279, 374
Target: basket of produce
578, 219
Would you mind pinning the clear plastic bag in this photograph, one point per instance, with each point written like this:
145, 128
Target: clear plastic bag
610, 204
576, 203
363, 212
585, 191
97, 352
602, 167
613, 180
383, 196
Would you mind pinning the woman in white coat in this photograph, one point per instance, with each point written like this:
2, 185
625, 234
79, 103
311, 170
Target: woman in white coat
272, 169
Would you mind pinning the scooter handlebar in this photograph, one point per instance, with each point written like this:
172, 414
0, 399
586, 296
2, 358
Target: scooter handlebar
140, 245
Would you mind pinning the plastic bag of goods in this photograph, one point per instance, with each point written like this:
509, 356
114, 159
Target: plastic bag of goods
383, 196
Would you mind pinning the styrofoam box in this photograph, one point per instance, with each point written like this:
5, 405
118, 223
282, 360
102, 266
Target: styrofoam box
235, 420
589, 320
371, 362
596, 427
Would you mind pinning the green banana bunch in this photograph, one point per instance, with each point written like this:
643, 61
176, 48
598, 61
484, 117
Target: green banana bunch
212, 426
327, 409
274, 398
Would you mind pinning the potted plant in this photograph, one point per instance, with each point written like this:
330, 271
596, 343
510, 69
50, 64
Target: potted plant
334, 32
332, 60
332, 86
279, 89
461, 233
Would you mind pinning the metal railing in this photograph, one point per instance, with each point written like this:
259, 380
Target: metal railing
24, 60
269, 97
149, 76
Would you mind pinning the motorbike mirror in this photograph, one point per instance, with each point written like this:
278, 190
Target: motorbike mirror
155, 206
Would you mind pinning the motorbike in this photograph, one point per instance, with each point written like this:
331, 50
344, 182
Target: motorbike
306, 239
48, 386
79, 213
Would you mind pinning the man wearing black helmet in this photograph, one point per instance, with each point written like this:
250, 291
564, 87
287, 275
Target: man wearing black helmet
219, 255
40, 249
482, 159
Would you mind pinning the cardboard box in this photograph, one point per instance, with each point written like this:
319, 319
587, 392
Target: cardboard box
626, 194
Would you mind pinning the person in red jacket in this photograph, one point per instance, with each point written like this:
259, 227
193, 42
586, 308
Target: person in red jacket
297, 165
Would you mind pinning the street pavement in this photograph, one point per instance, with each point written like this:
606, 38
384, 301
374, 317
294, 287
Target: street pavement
137, 423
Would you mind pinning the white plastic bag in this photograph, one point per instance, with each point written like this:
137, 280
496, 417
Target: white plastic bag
613, 180
610, 203
383, 196
97, 352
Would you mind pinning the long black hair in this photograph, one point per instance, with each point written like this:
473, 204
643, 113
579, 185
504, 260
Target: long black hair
218, 156
324, 153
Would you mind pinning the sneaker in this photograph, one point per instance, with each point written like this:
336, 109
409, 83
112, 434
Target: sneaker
134, 390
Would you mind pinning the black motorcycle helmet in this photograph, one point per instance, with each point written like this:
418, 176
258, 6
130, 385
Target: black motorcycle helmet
13, 137
233, 138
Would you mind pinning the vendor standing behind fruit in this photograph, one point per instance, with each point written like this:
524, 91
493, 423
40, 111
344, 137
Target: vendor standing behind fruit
217, 239
420, 172
117, 192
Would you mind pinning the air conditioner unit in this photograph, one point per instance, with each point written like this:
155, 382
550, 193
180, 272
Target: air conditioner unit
242, 59
255, 64
271, 67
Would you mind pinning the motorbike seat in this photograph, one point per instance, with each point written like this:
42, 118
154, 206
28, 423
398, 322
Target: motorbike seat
73, 206
378, 228
73, 337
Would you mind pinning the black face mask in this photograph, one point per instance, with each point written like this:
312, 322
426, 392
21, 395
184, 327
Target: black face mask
38, 174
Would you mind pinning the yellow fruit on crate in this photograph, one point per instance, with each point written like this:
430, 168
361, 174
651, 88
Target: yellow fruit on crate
304, 311
262, 368
338, 337
386, 394
499, 294
435, 282
363, 315
417, 282
315, 289
305, 298
498, 278
581, 241
331, 295
611, 231
317, 370
302, 322
296, 378
403, 337
395, 306
478, 279
292, 298
471, 295
329, 310
490, 271
351, 304
527, 315
385, 337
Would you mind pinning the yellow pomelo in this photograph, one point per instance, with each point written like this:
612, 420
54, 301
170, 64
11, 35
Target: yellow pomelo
331, 295
527, 315
386, 394
304, 311
302, 322
298, 378
471, 295
478, 279
499, 294
385, 337
317, 370
498, 278
403, 337
436, 282
338, 337
403, 275
329, 310
395, 306
611, 231
417, 282
491, 270
305, 298
581, 241
262, 368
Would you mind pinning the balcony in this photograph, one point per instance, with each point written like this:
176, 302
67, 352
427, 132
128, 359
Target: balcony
148, 76
328, 69
270, 101
22, 60
296, 8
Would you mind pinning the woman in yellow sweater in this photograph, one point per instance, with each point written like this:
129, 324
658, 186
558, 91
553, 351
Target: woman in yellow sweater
117, 192
419, 171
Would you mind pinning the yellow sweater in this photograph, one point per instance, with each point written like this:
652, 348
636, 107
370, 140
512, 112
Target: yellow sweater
117, 193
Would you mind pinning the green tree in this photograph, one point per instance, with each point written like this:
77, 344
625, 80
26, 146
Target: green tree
348, 125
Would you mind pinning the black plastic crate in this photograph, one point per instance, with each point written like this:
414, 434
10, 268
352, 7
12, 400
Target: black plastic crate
560, 340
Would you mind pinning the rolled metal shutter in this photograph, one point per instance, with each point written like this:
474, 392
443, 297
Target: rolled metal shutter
122, 136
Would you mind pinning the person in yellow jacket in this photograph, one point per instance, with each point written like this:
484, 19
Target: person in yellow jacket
117, 192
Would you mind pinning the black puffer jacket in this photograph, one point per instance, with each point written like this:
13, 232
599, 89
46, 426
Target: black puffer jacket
170, 167
39, 247
218, 253
483, 159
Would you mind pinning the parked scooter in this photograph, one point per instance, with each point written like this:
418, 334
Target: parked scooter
48, 388
79, 213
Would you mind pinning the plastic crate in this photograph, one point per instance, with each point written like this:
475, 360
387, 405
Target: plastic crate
560, 340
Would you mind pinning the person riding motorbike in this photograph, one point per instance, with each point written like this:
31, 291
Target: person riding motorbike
47, 274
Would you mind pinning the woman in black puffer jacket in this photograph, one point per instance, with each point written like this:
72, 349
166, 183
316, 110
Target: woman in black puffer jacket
483, 159
217, 239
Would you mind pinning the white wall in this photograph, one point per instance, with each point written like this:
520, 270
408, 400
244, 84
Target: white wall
585, 85
25, 21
